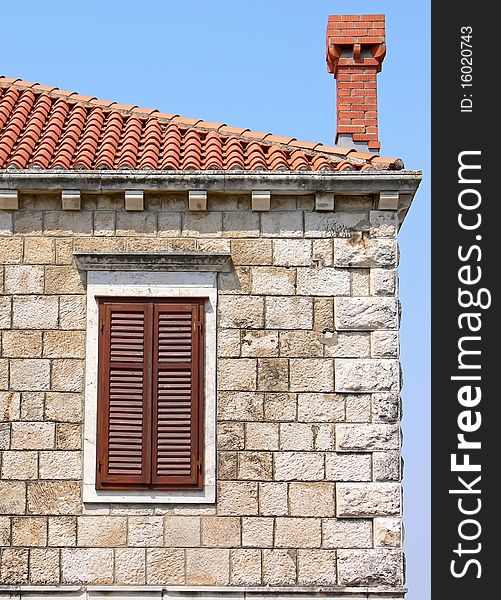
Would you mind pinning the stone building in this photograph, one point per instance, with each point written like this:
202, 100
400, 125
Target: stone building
199, 366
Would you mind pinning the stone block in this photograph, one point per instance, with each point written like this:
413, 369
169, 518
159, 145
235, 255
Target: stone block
63, 406
22, 344
203, 225
4, 374
62, 531
228, 343
360, 375
273, 499
9, 406
35, 312
387, 532
279, 567
64, 344
365, 253
259, 342
387, 466
145, 531
237, 374
385, 407
360, 282
280, 407
64, 280
301, 343
273, 374
273, 281
104, 223
358, 408
255, 466
311, 375
165, 566
20, 465
30, 374
336, 224
240, 225
385, 344
323, 437
257, 532
221, 532
227, 465
292, 253
350, 344
321, 407
32, 406
72, 312
101, 531
323, 312
29, 531
322, 253
261, 436
130, 566
54, 498
169, 224
6, 222
12, 497
240, 406
383, 282
348, 467
93, 566
347, 533
39, 251
292, 532
282, 225
11, 250
68, 436
60, 465
368, 499
237, 281
366, 313
296, 436
230, 436
365, 437
14, 566
237, 498
245, 569
311, 499
206, 566
251, 252
60, 223
24, 279
67, 375
64, 251
32, 436
4, 436
370, 567
183, 532
327, 281
299, 466
5, 312
241, 312
44, 566
316, 567
5, 531
383, 224
289, 312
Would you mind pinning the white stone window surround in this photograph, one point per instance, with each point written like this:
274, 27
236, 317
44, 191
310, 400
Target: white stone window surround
149, 285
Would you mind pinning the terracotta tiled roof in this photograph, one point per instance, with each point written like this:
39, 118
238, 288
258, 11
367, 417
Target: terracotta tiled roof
44, 127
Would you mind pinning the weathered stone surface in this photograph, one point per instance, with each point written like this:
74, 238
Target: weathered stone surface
64, 344
203, 224
241, 312
360, 282
386, 407
231, 436
259, 343
282, 224
360, 375
240, 406
292, 253
237, 281
323, 436
368, 499
68, 436
65, 407
279, 567
240, 224
87, 565
370, 567
105, 532
54, 497
301, 343
367, 437
169, 224
387, 465
322, 253
296, 436
60, 465
321, 407
383, 282
365, 313
67, 223
273, 499
237, 498
350, 344
67, 375
206, 566
348, 467
323, 314
358, 408
20, 465
273, 281
289, 312
257, 532
146, 531
387, 532
64, 280
6, 223
44, 566
245, 567
228, 343
30, 374
317, 567
334, 224
227, 465
24, 279
311, 499
9, 406
72, 312
311, 375
64, 252
182, 532
11, 250
4, 436
237, 374
4, 531
255, 466
4, 374
12, 497
27, 221
136, 223
328, 281
5, 312
32, 406
62, 531
39, 250
273, 374
221, 532
35, 312
365, 253
280, 407
251, 252
383, 224
385, 344
165, 566
29, 531
130, 566
261, 436
32, 436
104, 223
300, 466
347, 533
14, 566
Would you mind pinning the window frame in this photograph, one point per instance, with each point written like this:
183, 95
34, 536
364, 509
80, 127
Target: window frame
143, 284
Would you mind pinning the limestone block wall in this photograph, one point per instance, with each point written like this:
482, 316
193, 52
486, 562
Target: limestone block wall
308, 402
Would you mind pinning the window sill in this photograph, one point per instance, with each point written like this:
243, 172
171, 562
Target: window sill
206, 495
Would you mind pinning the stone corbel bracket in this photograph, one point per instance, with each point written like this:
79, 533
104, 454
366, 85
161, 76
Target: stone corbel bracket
154, 261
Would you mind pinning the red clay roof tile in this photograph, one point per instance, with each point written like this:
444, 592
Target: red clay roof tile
43, 127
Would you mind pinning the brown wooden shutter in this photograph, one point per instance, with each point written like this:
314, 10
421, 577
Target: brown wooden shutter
177, 393
124, 396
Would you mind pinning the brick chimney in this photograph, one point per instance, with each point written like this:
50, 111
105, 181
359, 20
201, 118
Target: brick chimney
355, 53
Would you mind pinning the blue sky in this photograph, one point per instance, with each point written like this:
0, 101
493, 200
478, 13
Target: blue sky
261, 65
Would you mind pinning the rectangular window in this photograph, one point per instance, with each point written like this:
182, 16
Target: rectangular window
150, 417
